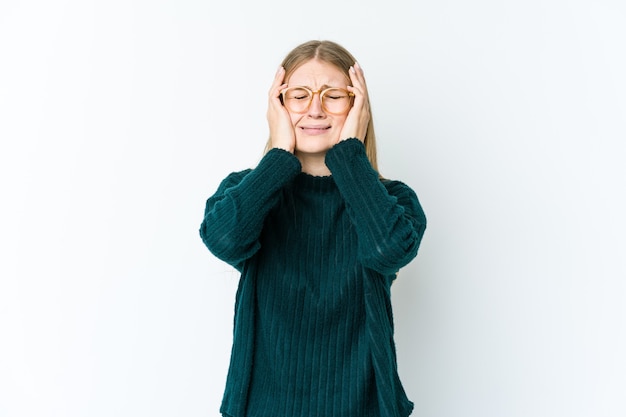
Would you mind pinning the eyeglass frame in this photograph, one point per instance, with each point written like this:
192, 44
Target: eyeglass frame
312, 94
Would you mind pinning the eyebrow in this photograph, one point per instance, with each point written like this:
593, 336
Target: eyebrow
323, 87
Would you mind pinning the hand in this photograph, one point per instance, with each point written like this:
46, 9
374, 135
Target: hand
282, 133
358, 118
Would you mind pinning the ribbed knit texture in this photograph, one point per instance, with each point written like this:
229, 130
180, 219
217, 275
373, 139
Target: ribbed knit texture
313, 331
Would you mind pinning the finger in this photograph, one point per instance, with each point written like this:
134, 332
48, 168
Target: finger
360, 96
278, 80
358, 77
353, 79
359, 72
357, 81
275, 95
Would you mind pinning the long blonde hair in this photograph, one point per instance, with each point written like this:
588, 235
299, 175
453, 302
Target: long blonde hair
337, 55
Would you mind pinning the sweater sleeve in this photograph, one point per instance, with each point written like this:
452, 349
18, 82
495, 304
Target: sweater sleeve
234, 215
387, 215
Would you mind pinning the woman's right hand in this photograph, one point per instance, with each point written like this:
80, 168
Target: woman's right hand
282, 133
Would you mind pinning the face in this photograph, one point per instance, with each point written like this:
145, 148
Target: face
316, 130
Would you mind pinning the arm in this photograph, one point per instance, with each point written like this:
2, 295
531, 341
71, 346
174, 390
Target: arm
234, 215
388, 219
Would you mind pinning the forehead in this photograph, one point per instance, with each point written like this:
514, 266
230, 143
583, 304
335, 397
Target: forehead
315, 74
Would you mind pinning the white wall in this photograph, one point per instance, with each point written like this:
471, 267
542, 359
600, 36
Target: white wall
119, 118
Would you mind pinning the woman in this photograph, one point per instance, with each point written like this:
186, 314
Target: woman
318, 237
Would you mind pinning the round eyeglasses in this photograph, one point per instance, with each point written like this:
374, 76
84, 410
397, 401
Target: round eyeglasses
334, 100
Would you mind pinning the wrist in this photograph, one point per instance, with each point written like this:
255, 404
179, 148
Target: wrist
284, 147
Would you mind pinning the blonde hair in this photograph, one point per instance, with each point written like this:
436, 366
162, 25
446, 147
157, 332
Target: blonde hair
337, 55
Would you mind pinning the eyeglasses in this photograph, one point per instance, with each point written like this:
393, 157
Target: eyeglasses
334, 100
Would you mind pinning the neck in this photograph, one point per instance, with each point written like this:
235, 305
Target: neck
313, 164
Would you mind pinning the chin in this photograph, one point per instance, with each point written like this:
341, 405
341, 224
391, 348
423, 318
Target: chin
313, 144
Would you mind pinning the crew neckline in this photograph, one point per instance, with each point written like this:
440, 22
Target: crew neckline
315, 182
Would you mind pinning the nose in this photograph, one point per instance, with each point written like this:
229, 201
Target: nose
315, 109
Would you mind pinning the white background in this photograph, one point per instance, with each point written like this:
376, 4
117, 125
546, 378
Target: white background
119, 118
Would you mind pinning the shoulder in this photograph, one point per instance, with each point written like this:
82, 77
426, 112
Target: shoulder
234, 178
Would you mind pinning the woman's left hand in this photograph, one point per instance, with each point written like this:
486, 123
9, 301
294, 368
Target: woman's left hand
358, 118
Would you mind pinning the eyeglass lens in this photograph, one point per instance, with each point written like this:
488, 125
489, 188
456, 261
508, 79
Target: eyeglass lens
334, 100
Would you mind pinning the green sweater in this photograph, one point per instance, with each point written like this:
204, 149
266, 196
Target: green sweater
313, 329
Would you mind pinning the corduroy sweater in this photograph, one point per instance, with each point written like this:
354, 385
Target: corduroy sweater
313, 328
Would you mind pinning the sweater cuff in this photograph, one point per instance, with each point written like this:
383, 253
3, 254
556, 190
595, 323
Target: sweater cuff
348, 153
279, 163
